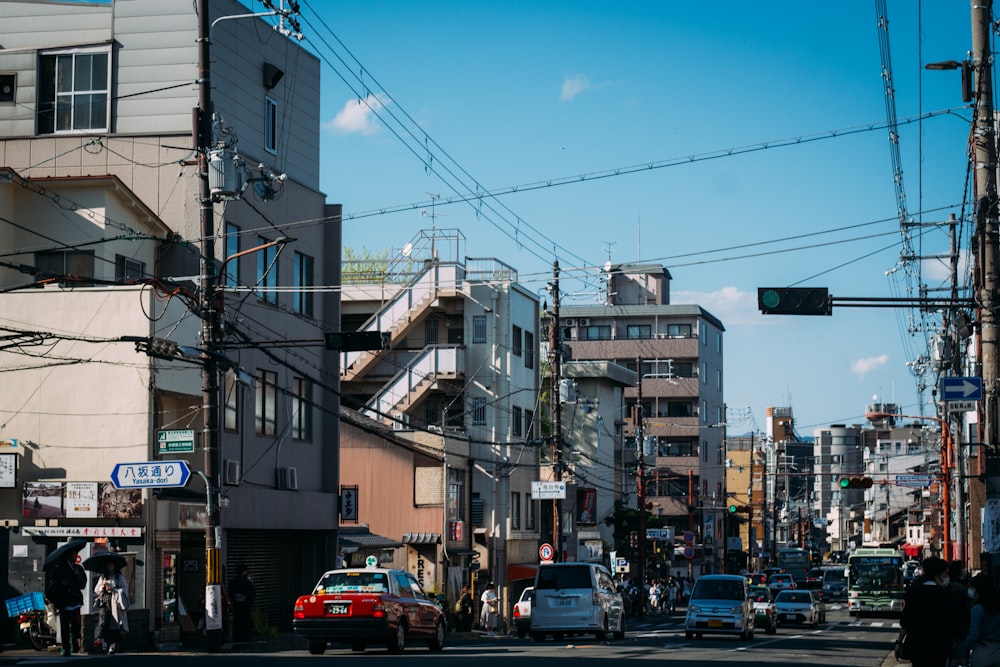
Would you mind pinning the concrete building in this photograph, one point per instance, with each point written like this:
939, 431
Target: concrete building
101, 207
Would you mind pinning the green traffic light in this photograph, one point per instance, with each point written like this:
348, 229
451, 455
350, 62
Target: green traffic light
732, 509
844, 482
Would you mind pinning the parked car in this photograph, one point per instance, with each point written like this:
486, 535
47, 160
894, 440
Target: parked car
720, 604
765, 613
834, 583
780, 582
575, 599
363, 606
797, 607
522, 612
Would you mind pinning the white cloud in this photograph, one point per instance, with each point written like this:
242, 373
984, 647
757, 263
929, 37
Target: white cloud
939, 268
862, 367
731, 305
357, 117
573, 86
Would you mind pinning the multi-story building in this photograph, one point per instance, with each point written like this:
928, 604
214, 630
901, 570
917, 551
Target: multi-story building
677, 352
461, 356
102, 208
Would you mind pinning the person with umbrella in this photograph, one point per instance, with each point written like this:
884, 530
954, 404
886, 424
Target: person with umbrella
64, 589
111, 593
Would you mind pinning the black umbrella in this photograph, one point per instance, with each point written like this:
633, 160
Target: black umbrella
59, 555
99, 563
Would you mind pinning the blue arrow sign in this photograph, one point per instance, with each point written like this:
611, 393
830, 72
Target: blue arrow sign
962, 389
150, 474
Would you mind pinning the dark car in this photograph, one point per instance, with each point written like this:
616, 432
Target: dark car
362, 606
814, 579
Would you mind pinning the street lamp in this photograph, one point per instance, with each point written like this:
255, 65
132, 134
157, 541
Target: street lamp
966, 68
946, 449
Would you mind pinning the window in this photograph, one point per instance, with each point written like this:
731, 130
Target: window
478, 328
232, 278
270, 125
66, 263
456, 496
479, 410
529, 424
267, 272
303, 281
595, 333
529, 349
265, 402
430, 331
231, 413
302, 409
678, 330
127, 268
516, 342
73, 90
515, 421
638, 331
515, 511
529, 512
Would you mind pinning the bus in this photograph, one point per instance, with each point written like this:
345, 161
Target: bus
875, 581
795, 562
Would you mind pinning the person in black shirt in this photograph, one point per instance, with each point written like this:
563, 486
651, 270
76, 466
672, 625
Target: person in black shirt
930, 623
65, 591
241, 595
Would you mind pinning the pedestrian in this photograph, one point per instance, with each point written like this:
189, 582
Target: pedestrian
490, 611
958, 586
466, 609
65, 591
983, 638
111, 593
241, 595
672, 593
929, 622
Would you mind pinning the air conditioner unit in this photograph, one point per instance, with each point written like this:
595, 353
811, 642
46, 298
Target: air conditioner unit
569, 322
400, 421
584, 322
287, 478
231, 472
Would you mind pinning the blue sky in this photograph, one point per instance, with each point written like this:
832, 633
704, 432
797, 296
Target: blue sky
753, 118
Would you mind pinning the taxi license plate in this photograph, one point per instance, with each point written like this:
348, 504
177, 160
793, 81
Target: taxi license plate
332, 608
714, 623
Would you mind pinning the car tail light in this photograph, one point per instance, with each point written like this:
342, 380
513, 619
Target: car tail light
378, 611
596, 599
517, 611
299, 611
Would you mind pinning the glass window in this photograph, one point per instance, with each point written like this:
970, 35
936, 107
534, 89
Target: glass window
478, 328
516, 422
267, 272
515, 511
595, 333
73, 91
303, 284
67, 266
270, 125
265, 402
638, 331
302, 409
127, 268
456, 496
679, 330
431, 331
516, 341
478, 410
232, 277
529, 424
529, 349
231, 416
529, 512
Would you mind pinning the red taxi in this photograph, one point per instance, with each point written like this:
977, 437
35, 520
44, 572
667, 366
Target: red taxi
362, 606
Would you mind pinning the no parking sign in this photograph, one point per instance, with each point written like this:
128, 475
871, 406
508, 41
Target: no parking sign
546, 552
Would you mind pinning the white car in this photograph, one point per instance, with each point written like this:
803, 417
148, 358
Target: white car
522, 612
576, 599
797, 607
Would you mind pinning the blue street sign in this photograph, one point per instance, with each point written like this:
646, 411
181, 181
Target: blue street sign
962, 389
150, 474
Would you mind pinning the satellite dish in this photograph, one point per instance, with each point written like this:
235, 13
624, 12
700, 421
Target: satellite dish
607, 267
407, 249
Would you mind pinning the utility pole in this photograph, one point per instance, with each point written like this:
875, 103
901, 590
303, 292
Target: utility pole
555, 342
640, 483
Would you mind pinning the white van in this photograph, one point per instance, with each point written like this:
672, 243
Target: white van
720, 604
576, 599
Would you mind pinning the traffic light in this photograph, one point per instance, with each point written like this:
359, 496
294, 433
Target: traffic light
856, 482
794, 300
733, 509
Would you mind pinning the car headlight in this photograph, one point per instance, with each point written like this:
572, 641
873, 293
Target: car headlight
736, 610
694, 608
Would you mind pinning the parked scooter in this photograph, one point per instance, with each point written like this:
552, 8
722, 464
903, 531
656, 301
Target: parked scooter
38, 627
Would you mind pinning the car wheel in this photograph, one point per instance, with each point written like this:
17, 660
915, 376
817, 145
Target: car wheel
620, 633
602, 634
358, 647
317, 647
688, 635
397, 642
538, 636
437, 643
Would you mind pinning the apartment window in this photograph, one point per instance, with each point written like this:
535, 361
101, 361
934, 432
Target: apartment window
232, 276
302, 409
529, 512
265, 402
456, 495
231, 412
127, 268
515, 421
529, 349
678, 330
430, 331
73, 90
267, 272
638, 331
704, 373
516, 342
515, 511
478, 328
479, 410
704, 452
529, 424
303, 284
270, 125
595, 333
66, 263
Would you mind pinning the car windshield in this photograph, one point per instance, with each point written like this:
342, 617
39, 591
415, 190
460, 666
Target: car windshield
353, 582
794, 597
707, 589
563, 576
761, 596
836, 574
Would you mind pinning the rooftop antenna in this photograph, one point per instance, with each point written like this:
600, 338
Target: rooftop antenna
638, 236
433, 216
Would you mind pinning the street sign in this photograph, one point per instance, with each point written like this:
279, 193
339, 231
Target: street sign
171, 442
914, 481
150, 474
546, 552
548, 490
662, 534
961, 406
962, 389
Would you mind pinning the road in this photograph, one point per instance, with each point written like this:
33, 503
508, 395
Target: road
841, 642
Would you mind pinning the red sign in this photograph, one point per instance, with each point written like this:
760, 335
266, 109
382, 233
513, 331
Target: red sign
546, 552
455, 530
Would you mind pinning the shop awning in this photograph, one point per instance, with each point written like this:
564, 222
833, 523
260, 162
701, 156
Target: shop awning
421, 538
353, 538
521, 571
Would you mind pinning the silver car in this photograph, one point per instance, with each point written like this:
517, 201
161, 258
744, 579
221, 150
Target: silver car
720, 604
576, 599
